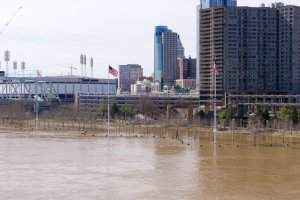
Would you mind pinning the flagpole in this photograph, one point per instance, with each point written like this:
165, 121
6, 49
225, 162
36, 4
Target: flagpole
36, 103
215, 106
108, 114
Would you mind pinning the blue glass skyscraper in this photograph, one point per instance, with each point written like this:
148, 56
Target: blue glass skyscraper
158, 52
215, 3
167, 48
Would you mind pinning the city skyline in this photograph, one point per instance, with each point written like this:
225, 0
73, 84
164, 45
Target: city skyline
51, 33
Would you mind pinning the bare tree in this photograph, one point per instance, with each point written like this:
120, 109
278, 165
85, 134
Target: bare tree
148, 108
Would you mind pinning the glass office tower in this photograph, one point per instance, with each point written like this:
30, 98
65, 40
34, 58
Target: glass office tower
158, 51
215, 3
167, 49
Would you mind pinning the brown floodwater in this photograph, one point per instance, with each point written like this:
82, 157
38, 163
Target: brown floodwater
38, 167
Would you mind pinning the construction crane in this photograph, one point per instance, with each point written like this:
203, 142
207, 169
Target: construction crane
10, 20
70, 67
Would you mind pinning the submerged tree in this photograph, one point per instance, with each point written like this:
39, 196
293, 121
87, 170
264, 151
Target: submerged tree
229, 113
240, 112
147, 107
283, 114
201, 114
114, 109
127, 111
266, 115
102, 109
294, 116
262, 114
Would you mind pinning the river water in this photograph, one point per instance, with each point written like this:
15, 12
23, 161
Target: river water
40, 167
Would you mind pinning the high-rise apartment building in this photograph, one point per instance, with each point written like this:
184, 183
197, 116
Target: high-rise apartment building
167, 49
216, 3
205, 4
288, 50
129, 74
256, 50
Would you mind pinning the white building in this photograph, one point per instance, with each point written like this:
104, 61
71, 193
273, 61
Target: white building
60, 86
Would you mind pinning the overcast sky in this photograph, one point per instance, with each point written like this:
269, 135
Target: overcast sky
48, 33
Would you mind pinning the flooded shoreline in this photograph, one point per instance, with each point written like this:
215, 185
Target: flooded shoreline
183, 134
37, 167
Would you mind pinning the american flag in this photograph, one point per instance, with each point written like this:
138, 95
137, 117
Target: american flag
216, 68
113, 71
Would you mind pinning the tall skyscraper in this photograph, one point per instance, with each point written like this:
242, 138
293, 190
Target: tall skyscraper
288, 49
256, 50
129, 74
215, 3
204, 4
187, 67
167, 49
180, 49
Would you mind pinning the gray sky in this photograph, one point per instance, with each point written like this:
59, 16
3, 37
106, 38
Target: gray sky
50, 32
